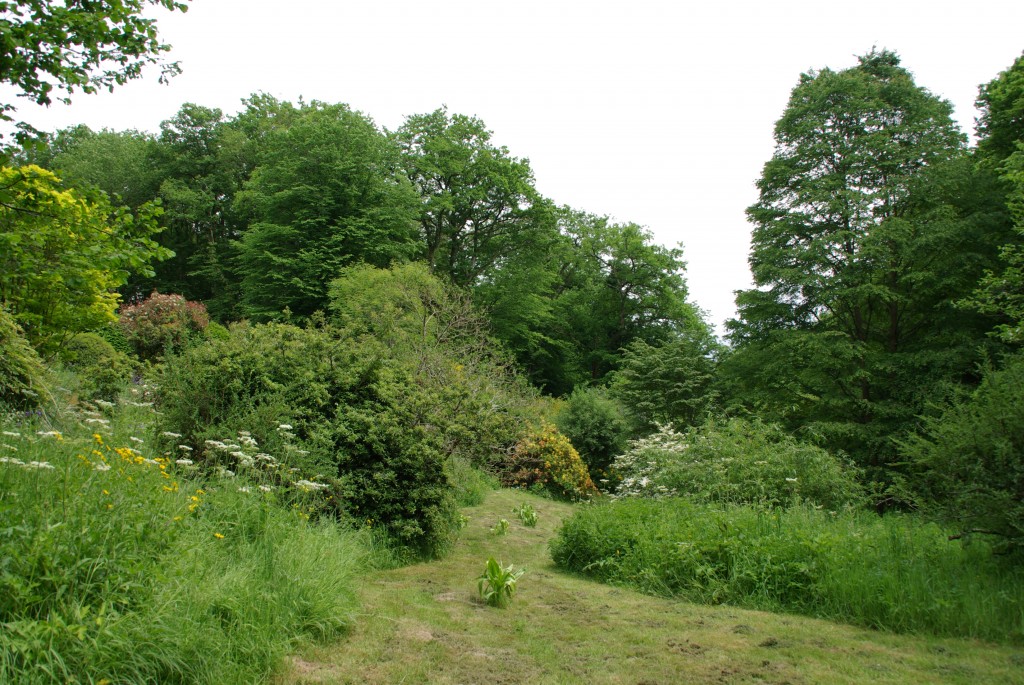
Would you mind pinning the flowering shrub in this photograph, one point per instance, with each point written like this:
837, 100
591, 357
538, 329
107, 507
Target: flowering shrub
548, 460
162, 322
736, 461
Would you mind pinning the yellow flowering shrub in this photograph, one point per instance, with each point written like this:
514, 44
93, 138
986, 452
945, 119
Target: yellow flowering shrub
546, 459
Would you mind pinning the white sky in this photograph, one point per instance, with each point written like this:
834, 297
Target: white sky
660, 113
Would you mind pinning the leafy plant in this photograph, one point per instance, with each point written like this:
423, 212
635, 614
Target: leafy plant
162, 323
527, 514
497, 585
500, 528
739, 461
547, 460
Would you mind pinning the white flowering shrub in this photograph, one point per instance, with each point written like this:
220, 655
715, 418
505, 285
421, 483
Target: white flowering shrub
736, 460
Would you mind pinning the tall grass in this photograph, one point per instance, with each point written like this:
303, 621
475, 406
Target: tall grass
895, 573
116, 567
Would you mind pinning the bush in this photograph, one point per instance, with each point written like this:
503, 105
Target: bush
969, 460
355, 417
546, 460
596, 426
896, 572
739, 461
22, 374
102, 371
162, 323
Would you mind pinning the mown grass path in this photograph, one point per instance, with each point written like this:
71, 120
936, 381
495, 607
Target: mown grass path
424, 624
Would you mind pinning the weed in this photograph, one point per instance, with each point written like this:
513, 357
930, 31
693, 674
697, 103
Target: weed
527, 514
497, 585
500, 528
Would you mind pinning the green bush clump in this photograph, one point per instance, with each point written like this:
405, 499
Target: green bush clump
102, 371
545, 460
23, 377
738, 461
162, 323
353, 415
596, 426
896, 572
969, 459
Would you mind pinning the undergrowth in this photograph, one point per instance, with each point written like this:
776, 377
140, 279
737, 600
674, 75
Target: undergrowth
896, 573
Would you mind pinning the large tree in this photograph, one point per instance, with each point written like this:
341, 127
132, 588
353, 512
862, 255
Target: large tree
866, 232
327, 193
48, 50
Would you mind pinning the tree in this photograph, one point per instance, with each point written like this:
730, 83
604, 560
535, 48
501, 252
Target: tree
618, 286
326, 194
865, 234
479, 205
64, 252
49, 50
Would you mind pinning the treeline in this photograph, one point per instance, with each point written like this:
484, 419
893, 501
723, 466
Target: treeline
884, 325
263, 208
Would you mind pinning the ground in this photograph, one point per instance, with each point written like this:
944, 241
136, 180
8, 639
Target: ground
425, 624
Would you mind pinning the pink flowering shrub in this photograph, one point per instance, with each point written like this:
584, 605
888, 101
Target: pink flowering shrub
161, 323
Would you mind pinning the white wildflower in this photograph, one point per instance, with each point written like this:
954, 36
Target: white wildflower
11, 460
243, 489
284, 427
11, 434
48, 434
104, 404
184, 448
137, 441
169, 434
39, 465
100, 466
310, 485
266, 488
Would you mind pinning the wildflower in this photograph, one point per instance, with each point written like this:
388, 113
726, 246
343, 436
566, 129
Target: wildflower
184, 448
218, 536
183, 462
137, 441
169, 434
104, 404
102, 422
39, 465
11, 434
284, 427
10, 447
50, 434
101, 467
791, 480
243, 489
11, 460
310, 485
266, 488
106, 492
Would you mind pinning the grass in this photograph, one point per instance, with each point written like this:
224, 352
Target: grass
895, 573
425, 624
116, 567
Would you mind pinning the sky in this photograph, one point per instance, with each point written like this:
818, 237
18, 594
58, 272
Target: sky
658, 113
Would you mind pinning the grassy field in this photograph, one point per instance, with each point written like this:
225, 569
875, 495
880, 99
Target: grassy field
425, 624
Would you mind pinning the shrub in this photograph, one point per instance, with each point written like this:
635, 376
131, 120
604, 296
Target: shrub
102, 371
22, 374
546, 460
969, 459
896, 572
357, 418
162, 323
596, 426
739, 461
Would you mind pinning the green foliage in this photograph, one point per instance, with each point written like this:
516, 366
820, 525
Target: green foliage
51, 50
161, 324
969, 458
326, 194
116, 567
546, 460
471, 483
500, 528
736, 461
597, 427
63, 252
102, 371
527, 514
871, 224
895, 573
23, 377
497, 585
667, 383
